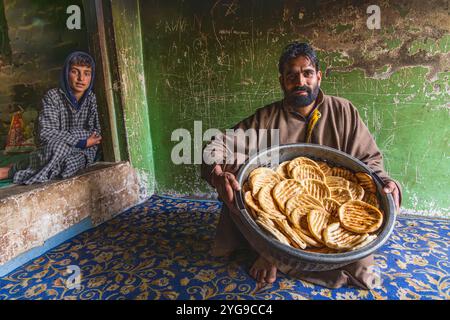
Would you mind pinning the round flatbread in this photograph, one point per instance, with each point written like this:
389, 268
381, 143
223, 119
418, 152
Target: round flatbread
261, 170
301, 200
293, 237
360, 217
285, 190
252, 203
337, 182
337, 237
307, 238
282, 170
317, 221
341, 195
304, 172
301, 161
324, 167
366, 182
268, 225
371, 199
356, 191
332, 207
344, 173
299, 213
267, 202
316, 188
371, 238
262, 178
300, 225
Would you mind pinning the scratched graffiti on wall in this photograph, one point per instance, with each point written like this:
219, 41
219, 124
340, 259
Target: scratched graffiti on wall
217, 62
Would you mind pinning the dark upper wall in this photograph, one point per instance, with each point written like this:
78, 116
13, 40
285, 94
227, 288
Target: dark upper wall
39, 41
216, 61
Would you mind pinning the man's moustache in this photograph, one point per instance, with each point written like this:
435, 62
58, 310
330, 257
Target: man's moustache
301, 89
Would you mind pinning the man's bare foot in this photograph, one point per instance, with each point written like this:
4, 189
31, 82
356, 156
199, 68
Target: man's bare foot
263, 271
4, 172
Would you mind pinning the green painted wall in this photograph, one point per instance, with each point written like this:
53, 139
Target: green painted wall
128, 43
216, 61
100, 30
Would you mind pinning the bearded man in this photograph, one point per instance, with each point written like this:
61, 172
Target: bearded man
308, 115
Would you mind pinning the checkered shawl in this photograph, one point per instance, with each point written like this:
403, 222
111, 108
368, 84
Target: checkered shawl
61, 127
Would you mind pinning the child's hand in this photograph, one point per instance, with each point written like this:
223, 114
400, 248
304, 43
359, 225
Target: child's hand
93, 140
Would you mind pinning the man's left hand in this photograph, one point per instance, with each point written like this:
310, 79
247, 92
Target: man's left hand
392, 188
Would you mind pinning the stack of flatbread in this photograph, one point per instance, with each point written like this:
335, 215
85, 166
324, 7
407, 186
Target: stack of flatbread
313, 206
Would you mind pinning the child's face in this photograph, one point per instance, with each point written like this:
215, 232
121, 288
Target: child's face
79, 78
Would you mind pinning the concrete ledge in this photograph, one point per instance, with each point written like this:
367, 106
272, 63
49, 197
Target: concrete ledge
30, 215
49, 244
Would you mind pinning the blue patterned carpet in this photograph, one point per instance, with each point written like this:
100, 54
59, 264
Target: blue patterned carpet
160, 250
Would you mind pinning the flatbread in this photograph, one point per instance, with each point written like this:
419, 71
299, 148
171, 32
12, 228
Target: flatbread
344, 173
356, 191
332, 207
324, 167
301, 200
267, 202
360, 217
341, 195
285, 190
317, 189
337, 182
366, 182
371, 199
293, 237
301, 161
337, 237
303, 172
317, 222
282, 170
272, 230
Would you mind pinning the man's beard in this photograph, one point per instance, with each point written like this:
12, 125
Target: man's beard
302, 101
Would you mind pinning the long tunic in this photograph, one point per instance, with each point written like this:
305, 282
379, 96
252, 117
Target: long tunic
61, 127
339, 127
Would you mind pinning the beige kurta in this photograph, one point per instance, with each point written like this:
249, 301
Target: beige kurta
339, 127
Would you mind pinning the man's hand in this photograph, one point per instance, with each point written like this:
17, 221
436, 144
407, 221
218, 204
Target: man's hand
225, 184
93, 140
391, 187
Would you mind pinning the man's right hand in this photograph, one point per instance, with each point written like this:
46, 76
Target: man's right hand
225, 184
93, 140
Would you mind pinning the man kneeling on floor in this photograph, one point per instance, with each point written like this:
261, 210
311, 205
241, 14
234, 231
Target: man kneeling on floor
305, 114
69, 129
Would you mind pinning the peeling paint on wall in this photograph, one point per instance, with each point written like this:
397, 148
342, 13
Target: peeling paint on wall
217, 62
133, 90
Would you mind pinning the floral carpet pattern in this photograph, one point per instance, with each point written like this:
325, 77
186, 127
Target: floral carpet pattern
160, 250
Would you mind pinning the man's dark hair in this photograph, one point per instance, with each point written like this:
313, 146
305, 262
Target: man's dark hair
81, 60
297, 49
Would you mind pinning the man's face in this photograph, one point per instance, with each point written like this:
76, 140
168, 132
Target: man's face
300, 82
79, 78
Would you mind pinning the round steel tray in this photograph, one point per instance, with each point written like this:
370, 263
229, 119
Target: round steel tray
281, 254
